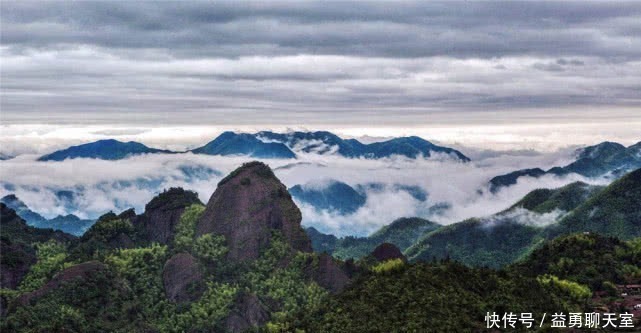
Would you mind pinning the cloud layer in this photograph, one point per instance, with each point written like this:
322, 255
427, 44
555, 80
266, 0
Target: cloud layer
384, 64
99, 186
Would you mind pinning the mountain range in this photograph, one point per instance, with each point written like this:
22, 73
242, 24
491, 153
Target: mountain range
103, 149
508, 236
342, 198
69, 223
268, 145
541, 215
606, 159
323, 142
242, 262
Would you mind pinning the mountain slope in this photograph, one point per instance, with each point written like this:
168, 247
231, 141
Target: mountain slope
500, 239
230, 143
103, 149
68, 223
505, 237
589, 259
18, 246
238, 263
614, 211
511, 178
323, 142
608, 159
335, 196
565, 198
402, 233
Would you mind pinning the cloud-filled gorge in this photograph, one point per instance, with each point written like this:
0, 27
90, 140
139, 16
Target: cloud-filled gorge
454, 190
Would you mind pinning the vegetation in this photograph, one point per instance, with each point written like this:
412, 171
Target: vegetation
402, 232
477, 243
589, 259
614, 211
186, 227
438, 297
110, 281
51, 257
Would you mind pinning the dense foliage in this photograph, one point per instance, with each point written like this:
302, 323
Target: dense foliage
589, 259
439, 297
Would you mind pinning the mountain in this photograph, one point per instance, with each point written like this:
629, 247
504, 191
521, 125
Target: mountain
240, 262
511, 178
68, 223
18, 250
608, 159
320, 142
505, 237
323, 142
543, 214
614, 211
402, 233
335, 196
339, 197
103, 149
576, 273
415, 191
587, 258
267, 145
438, 297
247, 207
230, 143
565, 198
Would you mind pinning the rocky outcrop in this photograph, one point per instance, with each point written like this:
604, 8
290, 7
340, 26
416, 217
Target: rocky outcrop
182, 278
17, 252
387, 251
162, 214
247, 207
15, 261
77, 274
248, 313
327, 273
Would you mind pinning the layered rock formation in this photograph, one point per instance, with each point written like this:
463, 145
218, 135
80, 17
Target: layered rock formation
247, 207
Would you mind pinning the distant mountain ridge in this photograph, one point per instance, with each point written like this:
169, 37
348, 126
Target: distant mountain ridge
230, 143
543, 214
109, 149
323, 142
402, 233
342, 198
267, 145
604, 159
70, 223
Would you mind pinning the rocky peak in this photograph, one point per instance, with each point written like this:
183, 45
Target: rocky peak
247, 207
162, 214
387, 251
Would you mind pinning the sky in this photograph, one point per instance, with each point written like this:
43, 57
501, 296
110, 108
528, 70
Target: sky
505, 75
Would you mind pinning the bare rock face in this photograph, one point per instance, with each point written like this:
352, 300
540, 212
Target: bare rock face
248, 313
162, 214
388, 251
182, 278
247, 207
327, 273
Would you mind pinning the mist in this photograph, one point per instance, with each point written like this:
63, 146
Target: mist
455, 190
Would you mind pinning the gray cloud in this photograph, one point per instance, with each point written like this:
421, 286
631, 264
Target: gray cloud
314, 62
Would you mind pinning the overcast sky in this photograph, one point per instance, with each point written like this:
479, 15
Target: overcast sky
314, 64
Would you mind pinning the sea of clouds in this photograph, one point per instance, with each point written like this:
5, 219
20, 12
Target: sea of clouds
458, 190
